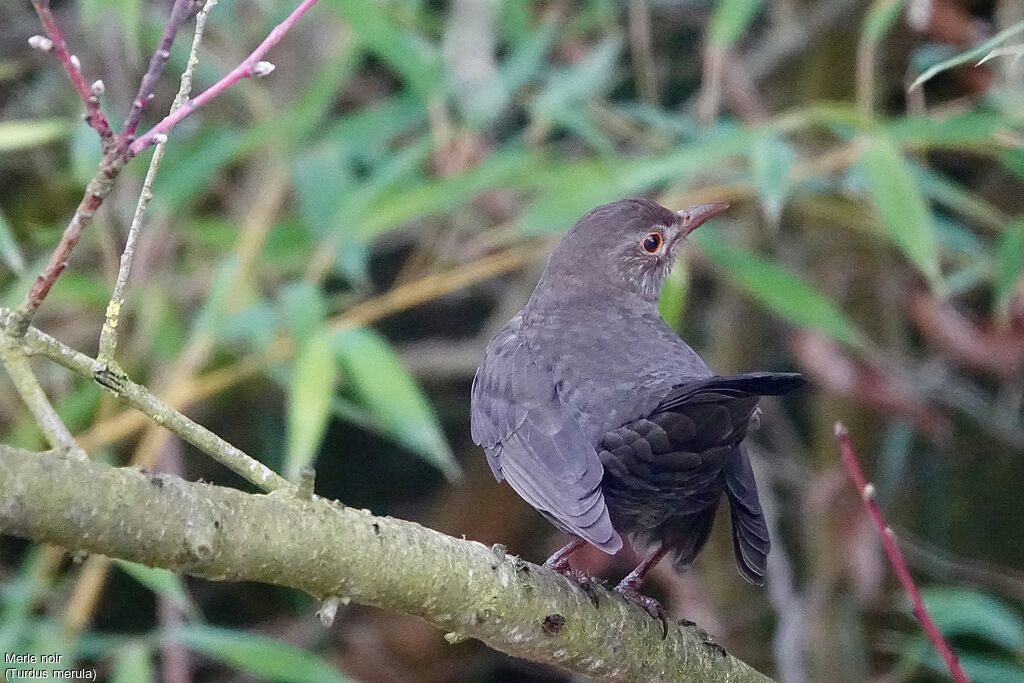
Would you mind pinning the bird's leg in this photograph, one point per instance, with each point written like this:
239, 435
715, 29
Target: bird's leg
628, 588
559, 562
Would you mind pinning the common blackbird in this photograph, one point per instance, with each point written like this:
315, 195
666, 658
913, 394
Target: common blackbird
604, 420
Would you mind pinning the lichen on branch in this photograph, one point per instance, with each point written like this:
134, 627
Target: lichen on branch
327, 549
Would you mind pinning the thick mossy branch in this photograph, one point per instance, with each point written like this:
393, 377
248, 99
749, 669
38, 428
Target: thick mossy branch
326, 549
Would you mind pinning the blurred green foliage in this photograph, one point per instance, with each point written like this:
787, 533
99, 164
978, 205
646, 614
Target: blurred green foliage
403, 140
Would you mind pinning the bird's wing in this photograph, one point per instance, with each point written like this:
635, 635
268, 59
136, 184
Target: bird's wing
692, 432
534, 443
718, 388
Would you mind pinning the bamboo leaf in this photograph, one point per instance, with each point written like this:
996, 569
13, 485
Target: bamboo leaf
15, 135
780, 291
313, 382
1009, 277
262, 657
162, 582
385, 388
731, 19
880, 18
133, 664
901, 206
411, 56
972, 55
9, 250
772, 159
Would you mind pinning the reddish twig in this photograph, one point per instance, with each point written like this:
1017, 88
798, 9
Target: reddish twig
90, 95
99, 187
180, 11
97, 190
251, 66
892, 550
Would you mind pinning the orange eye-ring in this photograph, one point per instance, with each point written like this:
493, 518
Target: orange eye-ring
652, 242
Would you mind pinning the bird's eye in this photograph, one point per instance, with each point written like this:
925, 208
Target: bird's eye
652, 242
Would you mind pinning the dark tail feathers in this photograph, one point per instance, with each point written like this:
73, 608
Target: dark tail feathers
749, 530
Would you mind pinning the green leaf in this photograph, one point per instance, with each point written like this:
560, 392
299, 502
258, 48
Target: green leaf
224, 280
411, 56
965, 612
15, 135
772, 159
1009, 277
949, 193
303, 309
133, 663
384, 387
972, 55
262, 657
9, 250
901, 206
880, 18
566, 88
731, 19
966, 130
162, 582
313, 382
780, 291
1015, 51
980, 667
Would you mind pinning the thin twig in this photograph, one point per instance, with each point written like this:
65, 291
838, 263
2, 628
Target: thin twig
90, 95
112, 164
249, 67
179, 13
892, 550
95, 192
32, 394
108, 335
140, 398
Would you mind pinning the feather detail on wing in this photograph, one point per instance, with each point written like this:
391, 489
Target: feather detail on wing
534, 443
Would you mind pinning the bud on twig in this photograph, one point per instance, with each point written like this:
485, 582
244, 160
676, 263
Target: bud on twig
76, 62
261, 69
97, 88
41, 43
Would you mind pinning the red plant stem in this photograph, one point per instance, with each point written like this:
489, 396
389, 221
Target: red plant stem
243, 70
101, 185
892, 550
179, 12
97, 190
94, 115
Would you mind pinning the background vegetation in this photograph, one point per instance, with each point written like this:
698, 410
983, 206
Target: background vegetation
329, 249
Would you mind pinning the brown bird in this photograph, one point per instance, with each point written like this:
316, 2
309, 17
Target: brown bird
604, 420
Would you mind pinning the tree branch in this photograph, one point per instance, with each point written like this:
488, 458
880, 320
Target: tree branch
34, 398
892, 550
112, 317
90, 95
147, 86
328, 550
250, 66
140, 398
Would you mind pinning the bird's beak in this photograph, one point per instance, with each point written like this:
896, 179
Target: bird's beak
692, 218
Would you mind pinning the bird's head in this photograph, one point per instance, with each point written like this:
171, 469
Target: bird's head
630, 244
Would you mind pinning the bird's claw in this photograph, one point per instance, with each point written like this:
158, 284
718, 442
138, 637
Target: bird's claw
649, 605
586, 584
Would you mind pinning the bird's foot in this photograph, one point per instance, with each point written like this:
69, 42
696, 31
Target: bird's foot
585, 582
559, 563
649, 605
